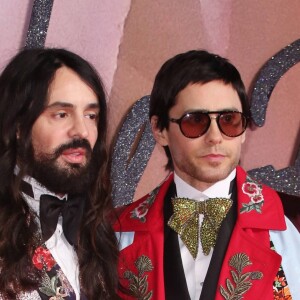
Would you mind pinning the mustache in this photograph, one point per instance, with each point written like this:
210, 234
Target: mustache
76, 143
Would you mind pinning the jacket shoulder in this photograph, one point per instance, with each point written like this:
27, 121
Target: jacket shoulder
140, 209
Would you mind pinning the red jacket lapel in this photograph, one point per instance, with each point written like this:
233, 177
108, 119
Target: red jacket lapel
141, 263
250, 265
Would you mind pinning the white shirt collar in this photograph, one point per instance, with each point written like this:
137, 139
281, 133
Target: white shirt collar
219, 189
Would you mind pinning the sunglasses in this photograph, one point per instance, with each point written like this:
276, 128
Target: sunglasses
195, 124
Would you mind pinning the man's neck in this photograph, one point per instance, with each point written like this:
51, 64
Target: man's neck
218, 189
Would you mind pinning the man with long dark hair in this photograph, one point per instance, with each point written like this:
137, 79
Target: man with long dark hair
56, 241
209, 231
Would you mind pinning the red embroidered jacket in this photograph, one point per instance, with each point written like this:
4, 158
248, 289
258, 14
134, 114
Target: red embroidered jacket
249, 266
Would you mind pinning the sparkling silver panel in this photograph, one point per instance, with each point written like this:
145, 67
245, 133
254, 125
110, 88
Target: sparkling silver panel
39, 22
269, 75
133, 148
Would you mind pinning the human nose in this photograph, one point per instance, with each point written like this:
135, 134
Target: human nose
213, 134
78, 128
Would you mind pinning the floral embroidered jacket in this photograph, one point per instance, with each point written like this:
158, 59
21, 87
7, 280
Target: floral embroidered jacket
54, 284
249, 267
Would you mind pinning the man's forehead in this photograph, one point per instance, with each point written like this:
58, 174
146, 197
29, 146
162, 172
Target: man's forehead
214, 95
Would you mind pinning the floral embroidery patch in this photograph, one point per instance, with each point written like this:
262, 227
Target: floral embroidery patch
242, 281
138, 283
141, 210
254, 191
54, 283
42, 259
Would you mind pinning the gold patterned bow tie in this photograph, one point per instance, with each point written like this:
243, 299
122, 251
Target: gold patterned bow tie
185, 221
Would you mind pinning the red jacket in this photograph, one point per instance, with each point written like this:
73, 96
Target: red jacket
249, 266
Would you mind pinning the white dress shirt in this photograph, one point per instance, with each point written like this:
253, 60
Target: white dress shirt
195, 270
63, 253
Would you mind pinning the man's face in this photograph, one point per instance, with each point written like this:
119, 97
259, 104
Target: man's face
211, 157
65, 133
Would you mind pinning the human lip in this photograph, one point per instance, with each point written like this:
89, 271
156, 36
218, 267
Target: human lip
74, 155
214, 156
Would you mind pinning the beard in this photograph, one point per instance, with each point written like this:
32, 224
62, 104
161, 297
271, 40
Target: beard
61, 178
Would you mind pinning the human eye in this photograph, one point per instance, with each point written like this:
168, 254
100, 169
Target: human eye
60, 115
230, 117
92, 115
198, 117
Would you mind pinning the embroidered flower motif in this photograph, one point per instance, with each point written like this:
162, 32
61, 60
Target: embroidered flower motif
251, 189
42, 259
138, 284
51, 289
141, 210
54, 283
64, 282
254, 191
242, 281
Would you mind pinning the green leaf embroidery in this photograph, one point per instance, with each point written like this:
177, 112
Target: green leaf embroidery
241, 281
138, 284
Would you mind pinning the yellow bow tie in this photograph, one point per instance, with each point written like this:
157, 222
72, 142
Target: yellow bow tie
185, 221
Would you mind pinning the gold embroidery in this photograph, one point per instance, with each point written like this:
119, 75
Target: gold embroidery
138, 284
241, 280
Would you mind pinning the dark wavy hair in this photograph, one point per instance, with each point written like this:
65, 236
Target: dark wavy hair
24, 86
195, 66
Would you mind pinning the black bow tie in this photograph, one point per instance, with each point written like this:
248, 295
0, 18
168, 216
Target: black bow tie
71, 211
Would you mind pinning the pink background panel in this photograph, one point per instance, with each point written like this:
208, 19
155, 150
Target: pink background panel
128, 41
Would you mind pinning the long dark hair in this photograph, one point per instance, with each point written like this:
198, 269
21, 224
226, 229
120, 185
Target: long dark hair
24, 85
195, 66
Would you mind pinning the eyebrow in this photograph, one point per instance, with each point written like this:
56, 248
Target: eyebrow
207, 111
61, 104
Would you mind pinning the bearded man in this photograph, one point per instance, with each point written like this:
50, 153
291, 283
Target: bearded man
55, 232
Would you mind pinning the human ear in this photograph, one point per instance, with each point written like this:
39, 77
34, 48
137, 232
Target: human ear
243, 137
160, 136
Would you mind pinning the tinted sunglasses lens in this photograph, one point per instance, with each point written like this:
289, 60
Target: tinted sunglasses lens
194, 125
232, 124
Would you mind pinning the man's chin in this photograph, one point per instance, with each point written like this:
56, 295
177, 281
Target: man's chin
70, 178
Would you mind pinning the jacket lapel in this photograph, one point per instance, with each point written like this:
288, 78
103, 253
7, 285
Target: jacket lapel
250, 266
174, 278
212, 276
141, 265
53, 282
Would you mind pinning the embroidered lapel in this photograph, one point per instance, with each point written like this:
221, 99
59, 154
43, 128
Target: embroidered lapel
54, 283
211, 280
145, 218
250, 265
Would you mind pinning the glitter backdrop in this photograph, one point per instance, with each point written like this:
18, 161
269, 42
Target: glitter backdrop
286, 180
269, 75
39, 22
131, 152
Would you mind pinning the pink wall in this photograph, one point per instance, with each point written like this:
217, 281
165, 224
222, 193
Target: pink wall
128, 41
